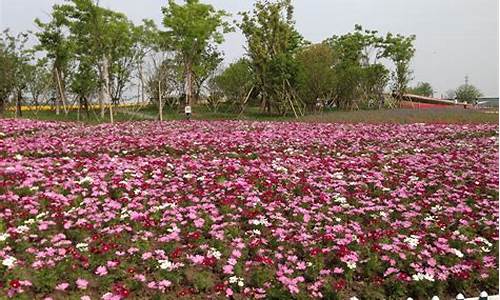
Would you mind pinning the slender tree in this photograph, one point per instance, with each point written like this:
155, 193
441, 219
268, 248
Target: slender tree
191, 28
272, 43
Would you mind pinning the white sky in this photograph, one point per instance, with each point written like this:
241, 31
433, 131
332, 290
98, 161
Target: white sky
454, 37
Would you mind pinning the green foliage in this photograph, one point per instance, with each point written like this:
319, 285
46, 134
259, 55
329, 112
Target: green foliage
201, 280
317, 75
15, 58
422, 89
272, 43
234, 83
359, 76
192, 31
400, 50
467, 93
260, 276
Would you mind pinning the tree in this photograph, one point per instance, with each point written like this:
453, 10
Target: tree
422, 89
54, 40
235, 83
467, 93
272, 43
358, 74
7, 71
17, 60
205, 69
190, 30
400, 50
39, 79
316, 73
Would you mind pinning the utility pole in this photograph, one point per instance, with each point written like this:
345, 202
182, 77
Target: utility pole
466, 79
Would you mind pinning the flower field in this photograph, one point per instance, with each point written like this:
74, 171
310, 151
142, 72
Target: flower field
263, 210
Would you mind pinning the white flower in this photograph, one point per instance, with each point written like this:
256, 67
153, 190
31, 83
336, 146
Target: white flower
338, 175
340, 199
82, 246
233, 279
351, 265
430, 218
215, 253
457, 252
420, 276
86, 179
41, 215
4, 237
485, 249
9, 261
237, 280
18, 156
29, 221
165, 264
188, 176
412, 241
256, 231
436, 208
22, 229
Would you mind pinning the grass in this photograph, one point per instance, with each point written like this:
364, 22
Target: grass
438, 115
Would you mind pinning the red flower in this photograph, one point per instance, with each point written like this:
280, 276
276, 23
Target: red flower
219, 287
209, 261
194, 235
339, 284
15, 283
176, 253
315, 251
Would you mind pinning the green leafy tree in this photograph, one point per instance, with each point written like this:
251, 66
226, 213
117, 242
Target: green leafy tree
17, 58
235, 84
272, 43
422, 89
317, 75
400, 50
467, 93
7, 71
205, 69
359, 77
191, 28
39, 80
54, 41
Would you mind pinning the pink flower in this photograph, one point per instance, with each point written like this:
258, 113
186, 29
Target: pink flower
85, 297
228, 269
62, 286
147, 255
101, 271
229, 292
82, 283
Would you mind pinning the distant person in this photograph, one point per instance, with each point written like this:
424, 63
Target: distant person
187, 111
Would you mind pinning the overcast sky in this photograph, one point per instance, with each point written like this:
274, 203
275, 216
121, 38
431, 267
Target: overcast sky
454, 37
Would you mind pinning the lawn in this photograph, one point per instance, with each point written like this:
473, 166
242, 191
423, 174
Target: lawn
403, 116
244, 209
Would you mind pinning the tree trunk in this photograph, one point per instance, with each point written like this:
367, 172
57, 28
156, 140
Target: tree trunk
54, 71
189, 83
61, 92
19, 112
159, 101
141, 77
105, 96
